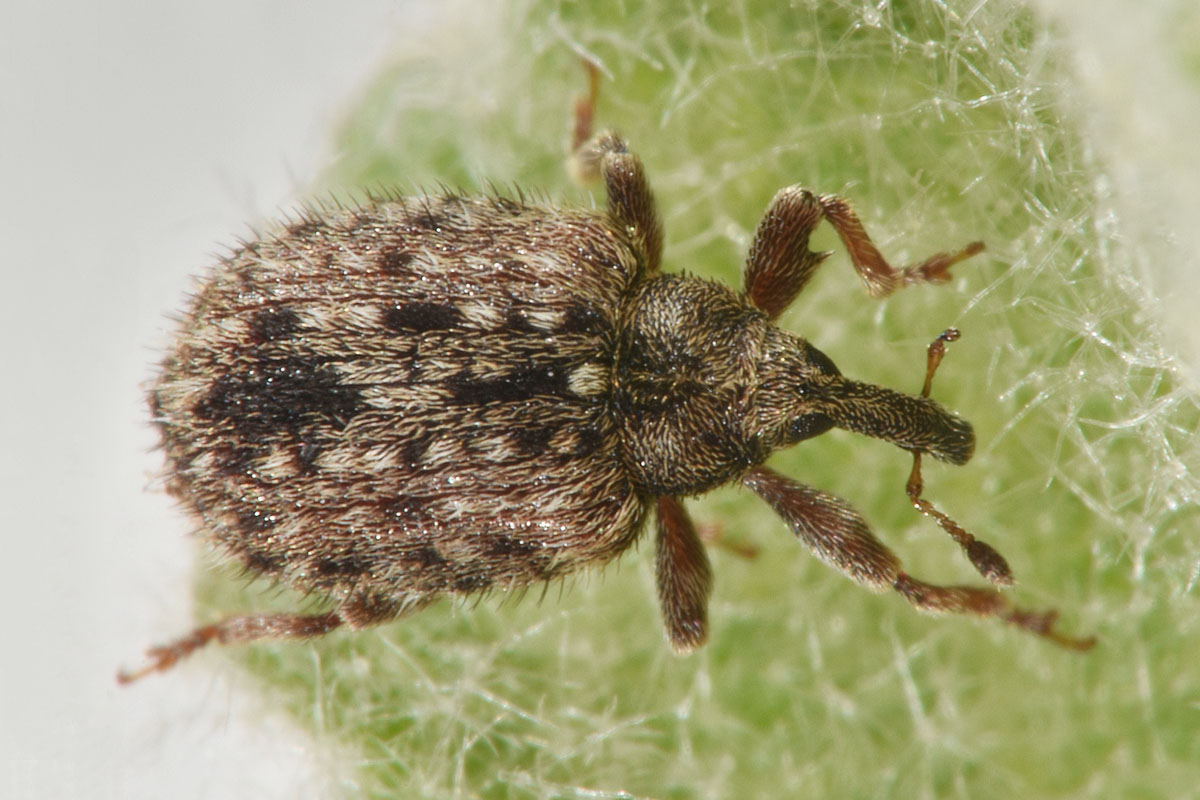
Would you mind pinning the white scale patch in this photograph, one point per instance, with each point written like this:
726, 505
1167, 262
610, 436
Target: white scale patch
588, 380
545, 320
481, 315
445, 450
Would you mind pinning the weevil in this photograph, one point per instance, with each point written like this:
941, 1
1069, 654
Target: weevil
412, 397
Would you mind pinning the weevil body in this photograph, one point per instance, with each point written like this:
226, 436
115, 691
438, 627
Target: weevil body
414, 397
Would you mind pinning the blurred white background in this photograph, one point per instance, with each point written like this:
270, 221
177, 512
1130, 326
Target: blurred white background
136, 138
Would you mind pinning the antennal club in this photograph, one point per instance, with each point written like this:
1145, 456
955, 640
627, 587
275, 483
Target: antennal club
983, 556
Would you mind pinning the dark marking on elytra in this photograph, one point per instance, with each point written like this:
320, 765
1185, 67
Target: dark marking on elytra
523, 383
396, 262
283, 395
471, 582
581, 318
533, 441
515, 321
427, 556
420, 317
273, 323
504, 546
342, 567
591, 439
256, 520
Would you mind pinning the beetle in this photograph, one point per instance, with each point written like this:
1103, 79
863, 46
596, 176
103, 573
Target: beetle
388, 402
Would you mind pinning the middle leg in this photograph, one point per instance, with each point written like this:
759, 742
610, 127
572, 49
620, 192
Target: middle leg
684, 576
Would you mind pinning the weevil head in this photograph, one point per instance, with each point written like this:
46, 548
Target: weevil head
704, 385
801, 394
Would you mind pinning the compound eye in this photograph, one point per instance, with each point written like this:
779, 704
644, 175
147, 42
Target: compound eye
808, 426
822, 362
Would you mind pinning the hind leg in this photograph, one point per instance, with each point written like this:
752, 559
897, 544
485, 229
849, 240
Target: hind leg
356, 613
234, 630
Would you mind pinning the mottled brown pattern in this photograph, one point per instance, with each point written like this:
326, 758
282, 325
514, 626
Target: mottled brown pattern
454, 395
385, 424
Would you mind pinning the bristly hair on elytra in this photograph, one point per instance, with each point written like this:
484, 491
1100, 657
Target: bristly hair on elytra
387, 402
